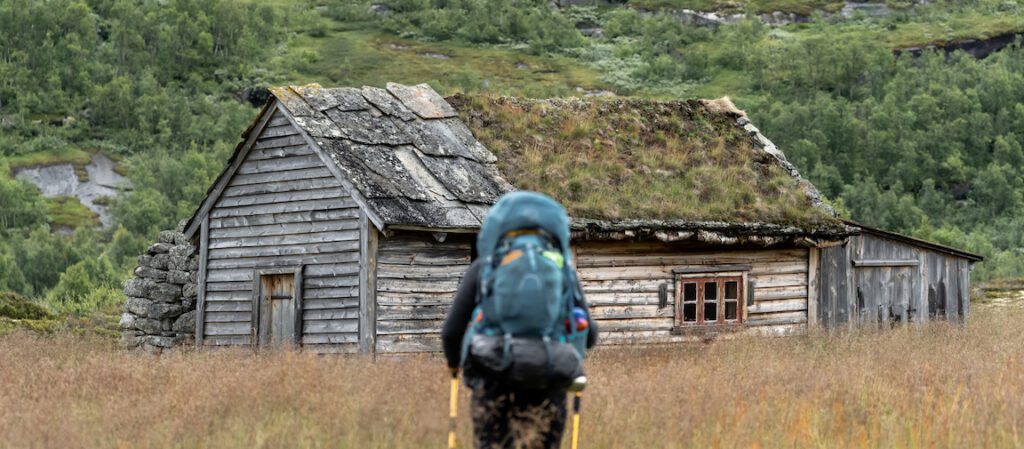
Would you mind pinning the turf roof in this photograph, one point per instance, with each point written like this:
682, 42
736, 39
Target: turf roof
631, 159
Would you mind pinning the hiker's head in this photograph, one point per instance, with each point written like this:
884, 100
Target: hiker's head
524, 210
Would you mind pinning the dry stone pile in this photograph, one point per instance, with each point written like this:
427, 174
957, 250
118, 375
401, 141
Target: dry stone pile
160, 309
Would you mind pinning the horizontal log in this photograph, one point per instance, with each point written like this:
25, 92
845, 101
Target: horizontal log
614, 249
778, 330
284, 197
226, 340
790, 305
779, 268
278, 262
278, 131
308, 238
630, 312
331, 339
229, 306
622, 298
283, 208
284, 229
623, 286
331, 303
290, 175
409, 327
405, 269
241, 295
330, 326
228, 317
635, 324
452, 258
408, 343
780, 280
779, 293
405, 299
331, 314
227, 329
399, 244
334, 281
343, 268
770, 319
228, 286
277, 142
290, 249
327, 293
334, 348
711, 269
252, 221
412, 286
412, 312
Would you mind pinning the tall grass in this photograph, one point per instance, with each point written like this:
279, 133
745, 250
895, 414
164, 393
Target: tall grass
914, 387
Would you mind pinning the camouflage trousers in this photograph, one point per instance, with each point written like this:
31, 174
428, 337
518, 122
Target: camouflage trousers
517, 419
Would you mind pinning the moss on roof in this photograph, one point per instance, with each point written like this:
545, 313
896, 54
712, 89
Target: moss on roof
619, 159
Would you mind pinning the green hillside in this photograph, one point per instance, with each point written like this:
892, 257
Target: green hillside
929, 146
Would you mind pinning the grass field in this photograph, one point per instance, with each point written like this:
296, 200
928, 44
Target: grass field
919, 387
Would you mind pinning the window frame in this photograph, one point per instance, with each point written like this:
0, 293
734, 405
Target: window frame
701, 280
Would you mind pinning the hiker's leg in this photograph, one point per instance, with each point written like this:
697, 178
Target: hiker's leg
490, 411
538, 419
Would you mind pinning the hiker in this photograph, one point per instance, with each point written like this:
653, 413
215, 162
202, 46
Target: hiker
519, 325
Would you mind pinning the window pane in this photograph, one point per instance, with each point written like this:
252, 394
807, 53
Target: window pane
689, 292
732, 290
690, 312
710, 291
710, 312
731, 309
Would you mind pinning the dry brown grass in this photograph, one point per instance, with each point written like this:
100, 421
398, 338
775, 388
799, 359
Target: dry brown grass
917, 387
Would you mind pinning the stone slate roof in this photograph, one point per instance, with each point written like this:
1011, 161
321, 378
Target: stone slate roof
405, 150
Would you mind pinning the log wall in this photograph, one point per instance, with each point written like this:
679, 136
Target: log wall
622, 283
283, 208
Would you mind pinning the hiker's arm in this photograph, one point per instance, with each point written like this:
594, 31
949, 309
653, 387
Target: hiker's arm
459, 315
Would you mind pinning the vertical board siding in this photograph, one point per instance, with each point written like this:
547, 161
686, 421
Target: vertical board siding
622, 282
416, 281
282, 209
932, 288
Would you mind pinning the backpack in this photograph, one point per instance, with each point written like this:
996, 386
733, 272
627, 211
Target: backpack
524, 330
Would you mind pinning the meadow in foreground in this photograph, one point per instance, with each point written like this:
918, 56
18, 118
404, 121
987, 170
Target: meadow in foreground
915, 387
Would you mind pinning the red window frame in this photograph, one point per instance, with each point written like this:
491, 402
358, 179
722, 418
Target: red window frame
697, 296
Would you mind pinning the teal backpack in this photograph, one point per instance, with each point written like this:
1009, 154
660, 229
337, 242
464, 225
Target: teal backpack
524, 330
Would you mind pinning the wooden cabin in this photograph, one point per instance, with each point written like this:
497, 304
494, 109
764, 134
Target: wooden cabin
345, 219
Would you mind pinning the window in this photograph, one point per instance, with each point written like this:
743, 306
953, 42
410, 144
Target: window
709, 300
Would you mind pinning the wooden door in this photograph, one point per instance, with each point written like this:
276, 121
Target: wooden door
883, 293
278, 309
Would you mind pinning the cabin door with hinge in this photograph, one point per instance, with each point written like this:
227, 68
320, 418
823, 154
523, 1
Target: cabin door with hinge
278, 310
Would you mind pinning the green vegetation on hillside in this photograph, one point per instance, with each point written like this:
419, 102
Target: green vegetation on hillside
929, 146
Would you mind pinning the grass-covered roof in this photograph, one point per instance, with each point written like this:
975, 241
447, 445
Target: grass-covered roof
619, 159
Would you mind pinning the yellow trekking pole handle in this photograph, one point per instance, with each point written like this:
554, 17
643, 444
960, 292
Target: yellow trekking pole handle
453, 408
576, 419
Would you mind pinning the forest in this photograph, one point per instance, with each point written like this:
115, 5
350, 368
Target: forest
929, 146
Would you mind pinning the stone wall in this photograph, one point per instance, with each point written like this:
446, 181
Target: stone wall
160, 308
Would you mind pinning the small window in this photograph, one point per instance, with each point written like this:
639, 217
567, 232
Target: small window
710, 300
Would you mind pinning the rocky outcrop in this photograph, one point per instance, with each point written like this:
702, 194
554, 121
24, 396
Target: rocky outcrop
159, 311
978, 48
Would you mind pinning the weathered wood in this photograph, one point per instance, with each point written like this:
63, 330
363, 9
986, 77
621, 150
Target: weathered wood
279, 164
813, 262
332, 269
333, 348
331, 339
228, 317
229, 173
777, 293
330, 303
771, 319
278, 131
228, 328
281, 176
280, 261
340, 292
331, 314
408, 343
280, 208
204, 237
284, 197
711, 269
367, 285
885, 263
227, 340
283, 250
277, 142
227, 286
626, 298
308, 238
282, 152
341, 278
408, 327
297, 185
630, 311
274, 219
220, 296
308, 228
331, 166
279, 120
330, 326
412, 312
635, 324
231, 306
781, 280
789, 305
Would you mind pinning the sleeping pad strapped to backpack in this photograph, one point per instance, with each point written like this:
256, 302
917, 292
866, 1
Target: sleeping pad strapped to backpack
524, 331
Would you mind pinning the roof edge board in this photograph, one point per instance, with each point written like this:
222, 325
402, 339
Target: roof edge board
916, 241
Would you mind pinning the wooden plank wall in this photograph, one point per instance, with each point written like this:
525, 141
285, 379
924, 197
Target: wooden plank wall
621, 281
849, 296
281, 209
416, 281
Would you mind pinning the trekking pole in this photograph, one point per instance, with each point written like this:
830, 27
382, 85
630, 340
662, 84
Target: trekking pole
578, 385
453, 408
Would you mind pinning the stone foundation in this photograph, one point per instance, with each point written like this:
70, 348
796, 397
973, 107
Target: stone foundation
160, 308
